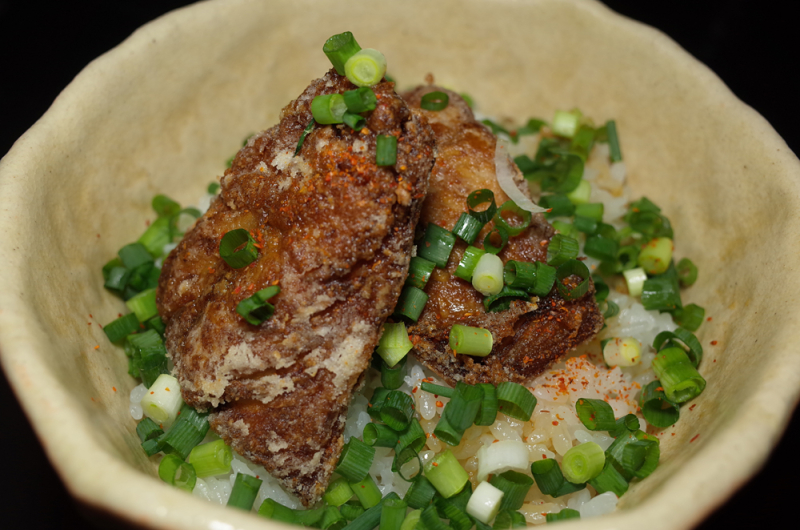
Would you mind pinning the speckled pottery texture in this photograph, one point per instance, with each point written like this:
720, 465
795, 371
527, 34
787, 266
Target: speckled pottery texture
161, 112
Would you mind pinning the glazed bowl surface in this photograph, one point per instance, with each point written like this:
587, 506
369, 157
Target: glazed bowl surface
164, 110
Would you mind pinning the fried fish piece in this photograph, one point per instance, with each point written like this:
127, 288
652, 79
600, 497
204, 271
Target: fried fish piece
528, 336
334, 231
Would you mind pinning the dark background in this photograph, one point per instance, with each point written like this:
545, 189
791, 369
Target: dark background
751, 45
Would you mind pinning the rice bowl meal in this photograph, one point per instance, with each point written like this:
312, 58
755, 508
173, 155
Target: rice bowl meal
418, 305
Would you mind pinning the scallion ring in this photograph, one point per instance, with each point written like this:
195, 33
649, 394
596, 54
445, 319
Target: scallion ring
491, 238
570, 290
479, 197
523, 215
255, 309
434, 101
365, 67
230, 251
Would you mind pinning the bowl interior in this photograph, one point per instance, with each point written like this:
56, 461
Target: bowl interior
162, 112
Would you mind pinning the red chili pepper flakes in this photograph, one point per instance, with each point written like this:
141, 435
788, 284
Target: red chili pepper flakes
696, 436
555, 422
708, 319
114, 388
435, 464
714, 343
693, 406
97, 347
439, 404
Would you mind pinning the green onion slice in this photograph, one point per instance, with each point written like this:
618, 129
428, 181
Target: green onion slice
479, 197
467, 228
244, 492
147, 429
695, 349
386, 150
469, 340
394, 344
491, 238
175, 472
446, 432
339, 48
488, 413
569, 290
679, 378
561, 249
463, 408
502, 300
255, 309
339, 490
306, 131
421, 492
411, 303
213, 458
434, 101
436, 245
397, 410
610, 479
520, 275
514, 486
419, 270
122, 327
558, 204
355, 460
229, 244
351, 510
446, 474
376, 403
438, 390
332, 519
689, 317
657, 410
508, 519
595, 414
583, 462
360, 100
354, 121
367, 491
515, 400
613, 141
563, 515
371, 517
601, 248
545, 278
512, 208
469, 260
392, 376
134, 255
393, 512
365, 67
687, 272
328, 108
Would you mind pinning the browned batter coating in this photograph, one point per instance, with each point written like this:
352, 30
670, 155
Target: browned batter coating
528, 336
335, 233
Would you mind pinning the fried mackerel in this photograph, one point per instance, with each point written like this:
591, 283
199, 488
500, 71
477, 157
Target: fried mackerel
529, 335
334, 231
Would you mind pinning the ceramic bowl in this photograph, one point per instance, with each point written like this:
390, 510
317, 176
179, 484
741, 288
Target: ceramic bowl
162, 111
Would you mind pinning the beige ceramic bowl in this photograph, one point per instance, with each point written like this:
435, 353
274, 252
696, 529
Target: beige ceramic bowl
162, 111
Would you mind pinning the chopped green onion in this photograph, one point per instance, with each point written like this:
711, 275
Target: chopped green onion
515, 400
657, 409
371, 517
156, 324
490, 239
644, 217
687, 272
565, 123
656, 255
397, 410
532, 127
447, 433
563, 515
411, 520
695, 349
583, 141
514, 486
147, 429
355, 460
512, 208
244, 492
430, 520
559, 205
611, 310
479, 197
550, 480
469, 260
351, 510
163, 400
394, 344
213, 188
392, 376
625, 351
156, 236
689, 317
411, 302
610, 479
122, 327
446, 474
421, 492
662, 292
354, 121
485, 502
255, 309
626, 424
566, 229
339, 48
545, 278
436, 245
229, 244
595, 414
488, 412
339, 491
467, 228
616, 452
508, 519
679, 378
175, 472
386, 150
459, 520
332, 519
116, 278
601, 248
393, 513
438, 390
583, 462
419, 270
360, 100
469, 340
328, 108
463, 408
613, 141
491, 304
365, 67
376, 403
134, 255
627, 257
306, 132
568, 289
434, 101
592, 210
367, 492
587, 225
188, 430
519, 275
561, 249
635, 278
213, 458
164, 206
487, 277
581, 194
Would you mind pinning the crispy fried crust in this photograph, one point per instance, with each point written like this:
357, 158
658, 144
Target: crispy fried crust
528, 336
335, 232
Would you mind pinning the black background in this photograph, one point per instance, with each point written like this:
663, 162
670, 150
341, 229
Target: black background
751, 45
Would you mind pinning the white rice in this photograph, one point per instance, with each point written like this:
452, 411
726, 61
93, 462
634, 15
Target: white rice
554, 427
